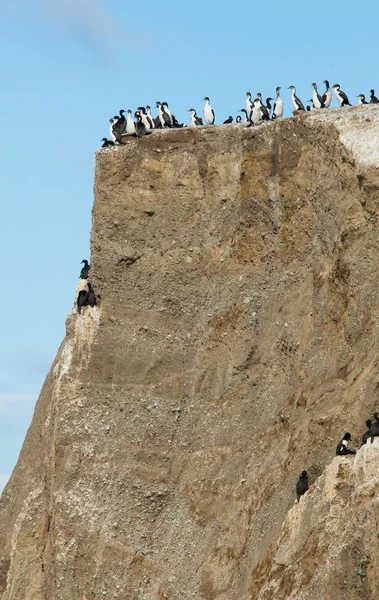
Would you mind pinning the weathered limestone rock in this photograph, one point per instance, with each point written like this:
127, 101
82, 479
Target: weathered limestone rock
236, 341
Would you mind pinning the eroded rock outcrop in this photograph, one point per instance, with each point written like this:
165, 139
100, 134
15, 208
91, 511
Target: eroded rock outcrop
236, 341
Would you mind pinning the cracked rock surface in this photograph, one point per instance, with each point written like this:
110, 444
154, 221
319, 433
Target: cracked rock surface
235, 343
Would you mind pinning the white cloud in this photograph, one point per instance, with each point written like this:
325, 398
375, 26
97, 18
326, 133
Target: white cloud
3, 481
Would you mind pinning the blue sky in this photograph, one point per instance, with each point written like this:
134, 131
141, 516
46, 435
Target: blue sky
68, 66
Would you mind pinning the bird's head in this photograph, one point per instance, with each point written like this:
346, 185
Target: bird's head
206, 99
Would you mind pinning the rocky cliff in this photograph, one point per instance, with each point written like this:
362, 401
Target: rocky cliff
236, 341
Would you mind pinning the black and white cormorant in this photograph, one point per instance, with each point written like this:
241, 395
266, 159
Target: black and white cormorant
362, 99
373, 98
249, 105
130, 125
327, 95
107, 143
195, 120
140, 126
316, 98
238, 119
269, 105
246, 114
256, 113
265, 116
150, 116
296, 102
209, 113
228, 120
85, 270
302, 485
278, 109
342, 449
120, 124
145, 119
163, 116
169, 113
340, 95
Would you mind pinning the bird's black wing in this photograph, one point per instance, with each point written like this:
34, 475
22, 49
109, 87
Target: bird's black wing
213, 113
299, 103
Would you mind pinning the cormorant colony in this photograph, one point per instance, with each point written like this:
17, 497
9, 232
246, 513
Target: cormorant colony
254, 112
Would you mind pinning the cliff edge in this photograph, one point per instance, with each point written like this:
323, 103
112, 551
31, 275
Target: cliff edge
236, 341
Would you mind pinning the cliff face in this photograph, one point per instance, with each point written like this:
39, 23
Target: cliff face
236, 341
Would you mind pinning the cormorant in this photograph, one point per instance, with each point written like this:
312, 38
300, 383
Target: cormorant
278, 105
373, 98
85, 269
327, 95
362, 99
374, 429
228, 120
82, 300
140, 126
91, 295
302, 485
296, 102
107, 143
366, 434
195, 120
209, 113
340, 95
342, 448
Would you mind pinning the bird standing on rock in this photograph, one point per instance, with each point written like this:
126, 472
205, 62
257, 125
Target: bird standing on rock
327, 95
362, 99
278, 109
82, 300
340, 95
195, 120
316, 98
130, 125
296, 102
107, 143
302, 485
91, 295
373, 98
228, 120
209, 113
85, 269
342, 448
140, 126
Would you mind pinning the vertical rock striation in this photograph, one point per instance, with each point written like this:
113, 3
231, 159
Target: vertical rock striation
236, 341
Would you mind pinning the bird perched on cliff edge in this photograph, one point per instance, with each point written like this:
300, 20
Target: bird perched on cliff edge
278, 105
302, 485
362, 99
296, 102
373, 98
366, 434
195, 120
228, 120
209, 113
85, 269
107, 143
140, 126
340, 95
374, 429
91, 295
327, 95
316, 98
82, 300
342, 448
